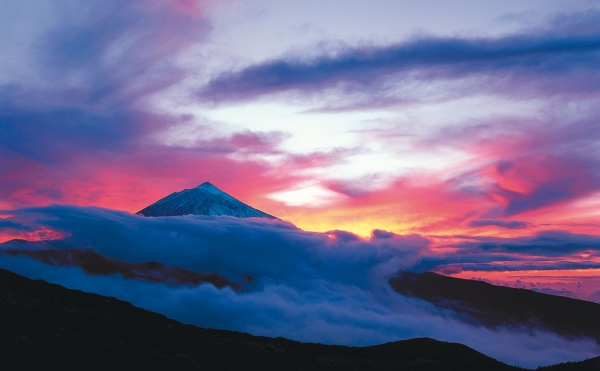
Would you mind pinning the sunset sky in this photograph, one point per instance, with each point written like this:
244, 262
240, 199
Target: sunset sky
434, 117
460, 137
458, 121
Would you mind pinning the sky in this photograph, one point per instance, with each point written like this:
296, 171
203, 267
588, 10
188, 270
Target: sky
469, 124
428, 117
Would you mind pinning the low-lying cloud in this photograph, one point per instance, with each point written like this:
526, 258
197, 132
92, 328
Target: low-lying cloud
320, 287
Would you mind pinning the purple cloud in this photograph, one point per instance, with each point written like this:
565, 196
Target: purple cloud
511, 224
548, 243
521, 58
10, 224
327, 287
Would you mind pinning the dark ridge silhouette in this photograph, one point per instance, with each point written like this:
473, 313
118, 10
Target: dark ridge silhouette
48, 326
493, 306
206, 199
96, 264
592, 364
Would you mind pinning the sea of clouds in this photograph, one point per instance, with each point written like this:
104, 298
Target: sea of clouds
329, 287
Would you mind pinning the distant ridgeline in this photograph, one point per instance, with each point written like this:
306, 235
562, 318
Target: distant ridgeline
206, 199
495, 306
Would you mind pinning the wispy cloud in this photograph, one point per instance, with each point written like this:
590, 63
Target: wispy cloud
530, 60
510, 224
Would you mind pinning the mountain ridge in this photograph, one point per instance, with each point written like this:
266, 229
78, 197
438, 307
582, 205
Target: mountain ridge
47, 324
495, 306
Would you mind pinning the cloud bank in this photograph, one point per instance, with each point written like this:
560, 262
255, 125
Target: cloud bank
321, 287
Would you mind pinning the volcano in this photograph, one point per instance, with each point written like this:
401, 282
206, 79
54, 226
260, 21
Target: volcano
206, 199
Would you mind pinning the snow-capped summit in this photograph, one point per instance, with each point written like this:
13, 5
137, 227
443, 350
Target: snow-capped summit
206, 199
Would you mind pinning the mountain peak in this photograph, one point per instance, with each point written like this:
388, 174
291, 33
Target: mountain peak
206, 199
208, 187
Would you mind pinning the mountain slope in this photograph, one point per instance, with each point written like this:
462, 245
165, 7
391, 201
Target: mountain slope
54, 253
205, 199
494, 306
48, 325
592, 364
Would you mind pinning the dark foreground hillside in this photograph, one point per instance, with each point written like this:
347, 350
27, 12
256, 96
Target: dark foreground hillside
46, 326
587, 365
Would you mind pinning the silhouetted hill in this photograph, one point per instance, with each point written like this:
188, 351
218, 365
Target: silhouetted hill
95, 264
494, 306
587, 365
48, 326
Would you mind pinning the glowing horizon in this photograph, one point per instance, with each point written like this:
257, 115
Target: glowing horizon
460, 138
